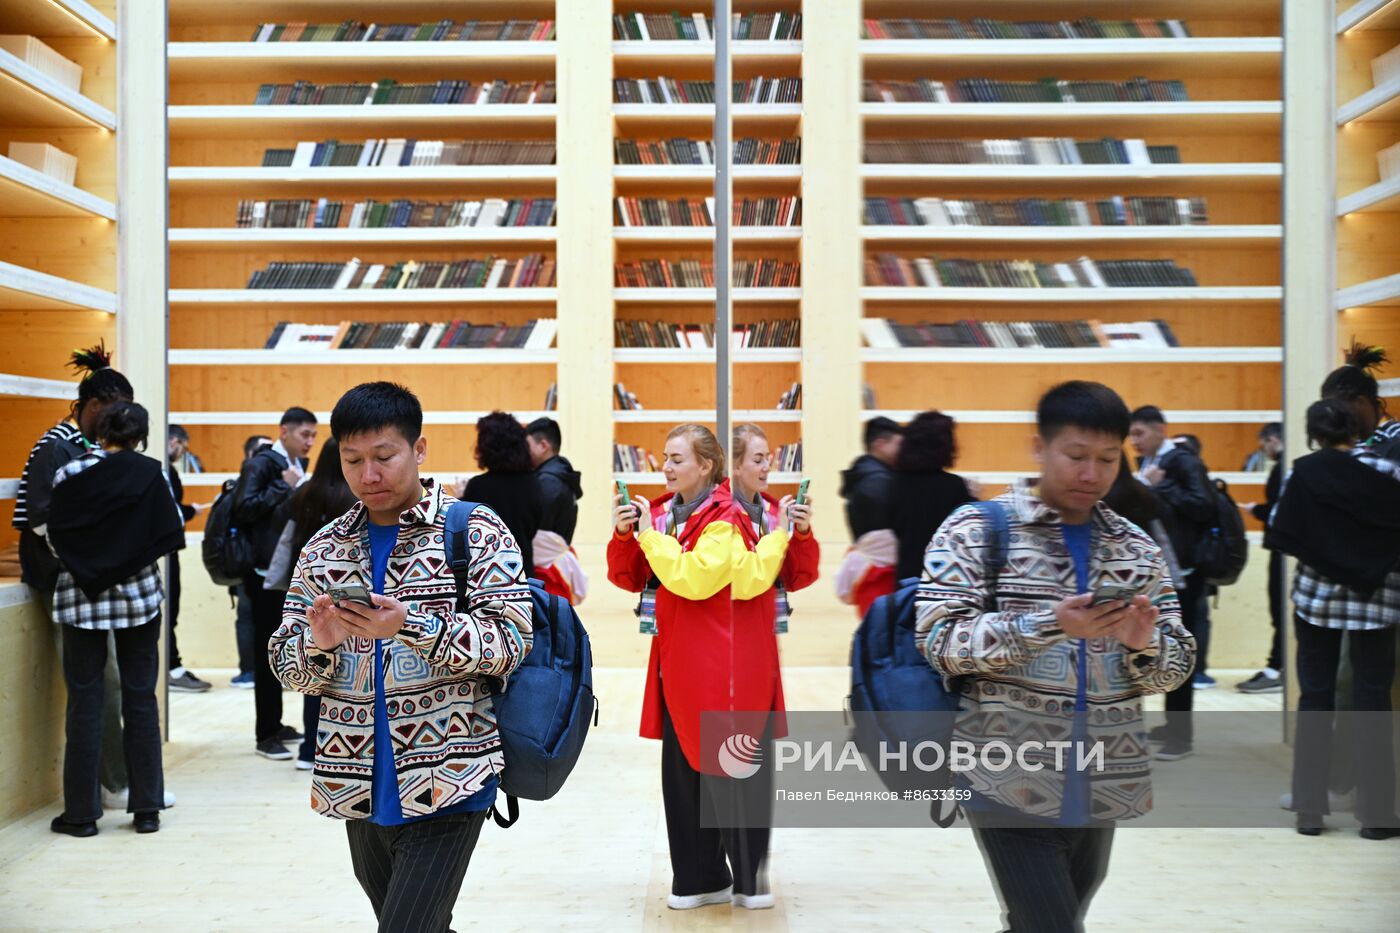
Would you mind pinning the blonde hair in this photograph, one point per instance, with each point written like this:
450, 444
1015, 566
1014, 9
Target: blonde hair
742, 434
705, 447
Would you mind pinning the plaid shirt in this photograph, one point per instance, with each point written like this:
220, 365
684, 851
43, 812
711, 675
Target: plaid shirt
135, 601
1326, 604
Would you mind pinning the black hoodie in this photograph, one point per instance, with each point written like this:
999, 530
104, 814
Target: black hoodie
868, 488
560, 489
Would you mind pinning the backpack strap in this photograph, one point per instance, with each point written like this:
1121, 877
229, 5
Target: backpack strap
998, 540
512, 811
459, 552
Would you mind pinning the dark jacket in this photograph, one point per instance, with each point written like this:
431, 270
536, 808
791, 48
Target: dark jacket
187, 512
1186, 489
38, 567
1262, 510
113, 520
868, 488
515, 497
1341, 518
923, 500
560, 487
260, 500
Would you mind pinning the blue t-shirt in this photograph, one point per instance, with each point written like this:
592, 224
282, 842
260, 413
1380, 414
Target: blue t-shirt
1078, 539
386, 810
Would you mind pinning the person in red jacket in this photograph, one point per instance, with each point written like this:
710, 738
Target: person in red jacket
690, 561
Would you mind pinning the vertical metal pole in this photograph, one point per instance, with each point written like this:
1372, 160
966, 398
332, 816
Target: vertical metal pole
724, 196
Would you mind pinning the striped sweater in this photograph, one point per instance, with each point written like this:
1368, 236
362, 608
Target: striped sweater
1022, 671
439, 671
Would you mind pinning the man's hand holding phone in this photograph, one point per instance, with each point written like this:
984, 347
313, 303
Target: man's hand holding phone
381, 618
327, 630
1130, 619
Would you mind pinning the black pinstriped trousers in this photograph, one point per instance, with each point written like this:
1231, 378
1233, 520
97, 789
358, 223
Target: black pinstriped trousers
412, 873
1044, 878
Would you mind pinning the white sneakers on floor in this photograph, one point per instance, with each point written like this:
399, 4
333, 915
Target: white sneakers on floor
117, 800
746, 901
692, 901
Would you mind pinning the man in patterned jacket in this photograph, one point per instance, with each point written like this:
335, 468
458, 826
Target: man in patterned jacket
407, 751
1037, 659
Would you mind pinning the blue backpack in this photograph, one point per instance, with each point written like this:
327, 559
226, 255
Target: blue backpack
544, 712
890, 675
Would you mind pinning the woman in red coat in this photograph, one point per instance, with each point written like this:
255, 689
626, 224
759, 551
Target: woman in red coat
690, 561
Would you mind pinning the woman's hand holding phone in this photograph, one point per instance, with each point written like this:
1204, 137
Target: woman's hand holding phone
626, 515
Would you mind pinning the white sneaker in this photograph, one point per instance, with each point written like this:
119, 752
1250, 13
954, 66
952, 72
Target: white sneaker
304, 765
753, 901
691, 901
116, 800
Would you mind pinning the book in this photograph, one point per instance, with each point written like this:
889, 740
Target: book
1044, 90
1011, 335
529, 271
895, 270
983, 28
664, 90
42, 58
442, 31
408, 335
387, 91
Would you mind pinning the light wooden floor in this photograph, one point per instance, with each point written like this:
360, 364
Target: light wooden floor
243, 851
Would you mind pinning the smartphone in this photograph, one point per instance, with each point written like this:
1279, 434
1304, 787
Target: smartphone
351, 593
622, 491
1113, 592
802, 491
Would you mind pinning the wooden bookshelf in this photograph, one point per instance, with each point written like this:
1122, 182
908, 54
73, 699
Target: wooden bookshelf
1228, 137
222, 383
1368, 205
58, 240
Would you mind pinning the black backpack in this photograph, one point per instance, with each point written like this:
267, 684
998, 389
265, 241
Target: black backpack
1222, 549
228, 556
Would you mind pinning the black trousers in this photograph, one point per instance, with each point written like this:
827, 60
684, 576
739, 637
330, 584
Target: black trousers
1196, 617
243, 628
413, 873
172, 608
1276, 602
1045, 878
705, 860
138, 662
1372, 656
267, 689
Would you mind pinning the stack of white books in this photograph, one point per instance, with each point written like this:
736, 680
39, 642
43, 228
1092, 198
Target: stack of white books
39, 56
42, 157
1389, 162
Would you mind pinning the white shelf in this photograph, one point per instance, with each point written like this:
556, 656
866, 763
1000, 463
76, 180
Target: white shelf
1370, 14
1073, 295
240, 120
361, 357
26, 192
255, 418
1383, 196
672, 355
703, 172
186, 57
1230, 172
218, 237
360, 296
1240, 113
1028, 417
1259, 51
659, 479
240, 178
70, 19
1077, 234
692, 295
981, 355
1384, 291
9, 488
1379, 103
1006, 477
30, 98
1390, 388
705, 234
696, 111
684, 415
697, 49
14, 594
26, 289
30, 387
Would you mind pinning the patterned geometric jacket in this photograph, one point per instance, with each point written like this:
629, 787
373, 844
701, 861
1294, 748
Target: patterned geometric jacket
1025, 670
437, 670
